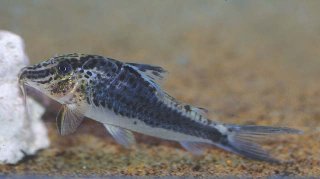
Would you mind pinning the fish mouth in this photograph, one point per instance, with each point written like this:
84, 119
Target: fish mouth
22, 76
22, 85
34, 78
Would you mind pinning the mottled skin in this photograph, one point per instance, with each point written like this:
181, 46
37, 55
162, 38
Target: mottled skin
130, 92
117, 86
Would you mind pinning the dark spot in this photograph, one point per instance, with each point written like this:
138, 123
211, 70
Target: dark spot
73, 60
109, 105
103, 63
95, 102
152, 113
94, 94
103, 103
152, 123
52, 71
89, 73
49, 79
155, 73
187, 107
134, 85
121, 77
119, 64
151, 89
196, 168
115, 110
157, 116
90, 64
118, 96
131, 80
135, 122
82, 86
140, 109
127, 114
88, 100
112, 87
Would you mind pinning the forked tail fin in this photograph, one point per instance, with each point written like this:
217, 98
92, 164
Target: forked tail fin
243, 140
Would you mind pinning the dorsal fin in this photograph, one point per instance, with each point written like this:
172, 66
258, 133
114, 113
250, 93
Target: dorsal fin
147, 77
155, 73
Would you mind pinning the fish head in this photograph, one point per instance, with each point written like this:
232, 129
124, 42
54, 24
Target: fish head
57, 77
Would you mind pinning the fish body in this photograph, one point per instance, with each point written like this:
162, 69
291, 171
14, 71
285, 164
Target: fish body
126, 97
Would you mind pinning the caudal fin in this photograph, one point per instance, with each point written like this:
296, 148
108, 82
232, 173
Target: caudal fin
243, 140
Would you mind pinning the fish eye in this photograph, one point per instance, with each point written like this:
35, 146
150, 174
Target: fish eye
64, 68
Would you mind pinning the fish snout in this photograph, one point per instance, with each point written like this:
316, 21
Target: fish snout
28, 74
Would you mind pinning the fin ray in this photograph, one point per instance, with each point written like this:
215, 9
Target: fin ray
195, 148
244, 140
156, 73
69, 118
150, 80
123, 137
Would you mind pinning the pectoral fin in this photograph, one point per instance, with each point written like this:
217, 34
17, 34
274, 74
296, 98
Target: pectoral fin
123, 137
69, 119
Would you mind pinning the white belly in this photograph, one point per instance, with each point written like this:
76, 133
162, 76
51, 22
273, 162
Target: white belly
109, 117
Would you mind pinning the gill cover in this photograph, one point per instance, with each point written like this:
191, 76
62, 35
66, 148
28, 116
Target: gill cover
71, 114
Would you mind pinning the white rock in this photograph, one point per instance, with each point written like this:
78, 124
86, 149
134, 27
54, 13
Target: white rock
19, 135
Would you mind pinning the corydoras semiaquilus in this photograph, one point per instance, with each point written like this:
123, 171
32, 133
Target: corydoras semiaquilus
126, 97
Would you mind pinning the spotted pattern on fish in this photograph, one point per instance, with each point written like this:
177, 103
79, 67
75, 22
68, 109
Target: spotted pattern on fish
130, 96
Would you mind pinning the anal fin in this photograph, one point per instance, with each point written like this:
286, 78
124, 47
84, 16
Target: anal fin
195, 148
123, 137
